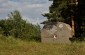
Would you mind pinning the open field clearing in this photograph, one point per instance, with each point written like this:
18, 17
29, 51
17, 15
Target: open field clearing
12, 46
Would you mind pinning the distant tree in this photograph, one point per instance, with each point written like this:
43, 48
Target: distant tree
19, 28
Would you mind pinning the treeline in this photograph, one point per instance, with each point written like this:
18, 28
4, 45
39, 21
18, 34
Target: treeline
16, 27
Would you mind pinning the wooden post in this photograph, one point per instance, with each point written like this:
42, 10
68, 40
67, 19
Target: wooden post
73, 25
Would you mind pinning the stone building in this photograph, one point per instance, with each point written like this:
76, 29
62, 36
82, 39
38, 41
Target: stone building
58, 32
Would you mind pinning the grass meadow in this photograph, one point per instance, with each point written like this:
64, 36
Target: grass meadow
12, 46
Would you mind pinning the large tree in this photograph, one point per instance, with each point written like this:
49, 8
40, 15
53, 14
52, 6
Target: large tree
62, 10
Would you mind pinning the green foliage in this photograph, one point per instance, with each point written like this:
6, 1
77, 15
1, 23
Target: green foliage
63, 10
55, 11
19, 28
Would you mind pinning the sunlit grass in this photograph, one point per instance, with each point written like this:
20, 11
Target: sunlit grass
12, 46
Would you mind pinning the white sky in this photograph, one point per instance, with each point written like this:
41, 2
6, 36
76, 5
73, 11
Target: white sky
31, 10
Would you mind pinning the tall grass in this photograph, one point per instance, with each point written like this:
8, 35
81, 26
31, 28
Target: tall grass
12, 46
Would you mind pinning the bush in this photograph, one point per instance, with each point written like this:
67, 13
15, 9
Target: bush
19, 28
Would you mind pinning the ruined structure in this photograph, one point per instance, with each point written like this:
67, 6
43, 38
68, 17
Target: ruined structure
58, 32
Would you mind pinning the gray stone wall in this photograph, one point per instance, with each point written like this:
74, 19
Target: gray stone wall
56, 33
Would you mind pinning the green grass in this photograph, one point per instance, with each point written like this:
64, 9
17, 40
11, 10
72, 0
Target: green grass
12, 46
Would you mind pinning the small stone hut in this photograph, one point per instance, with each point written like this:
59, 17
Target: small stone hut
58, 32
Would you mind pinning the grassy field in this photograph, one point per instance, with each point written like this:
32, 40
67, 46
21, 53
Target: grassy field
11, 46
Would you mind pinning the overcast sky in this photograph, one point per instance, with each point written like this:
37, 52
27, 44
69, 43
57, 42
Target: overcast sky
31, 10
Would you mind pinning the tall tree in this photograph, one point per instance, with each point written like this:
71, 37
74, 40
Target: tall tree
62, 10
